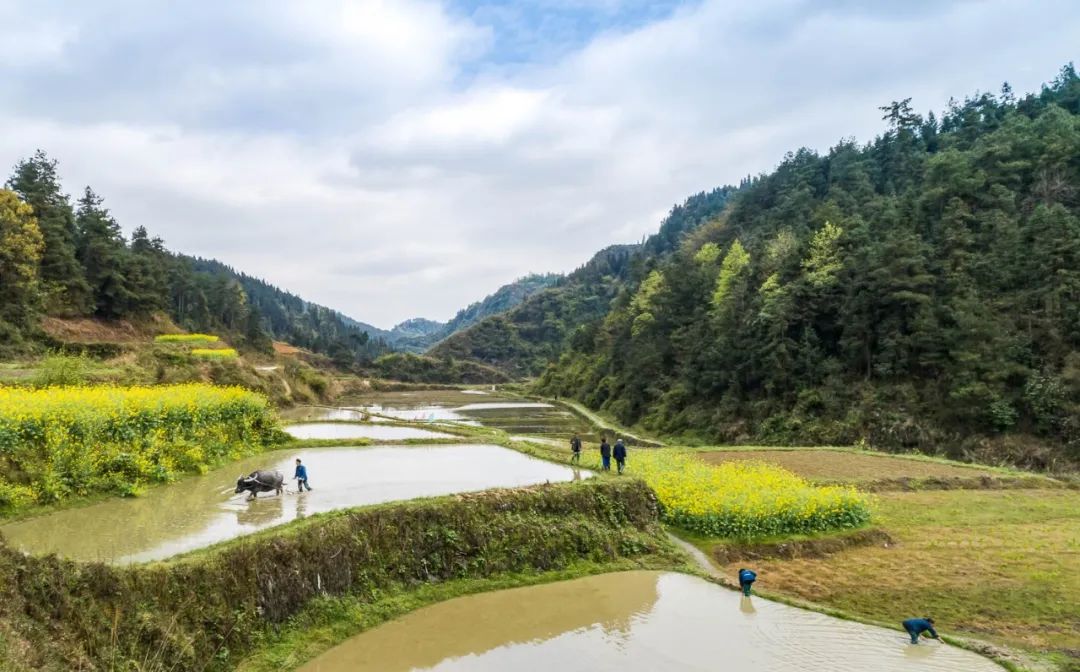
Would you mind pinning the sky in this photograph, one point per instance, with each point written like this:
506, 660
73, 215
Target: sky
403, 158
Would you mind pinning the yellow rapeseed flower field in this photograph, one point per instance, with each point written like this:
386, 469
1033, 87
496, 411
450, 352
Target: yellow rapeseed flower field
186, 338
745, 499
58, 442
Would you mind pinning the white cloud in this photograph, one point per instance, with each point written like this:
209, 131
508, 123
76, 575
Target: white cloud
375, 156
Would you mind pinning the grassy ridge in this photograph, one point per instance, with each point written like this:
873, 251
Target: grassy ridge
211, 606
61, 442
215, 353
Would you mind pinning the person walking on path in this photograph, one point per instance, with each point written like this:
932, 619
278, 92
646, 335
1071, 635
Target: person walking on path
605, 453
575, 445
300, 475
746, 580
917, 626
620, 454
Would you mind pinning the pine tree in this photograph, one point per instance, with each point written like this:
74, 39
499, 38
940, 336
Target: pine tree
36, 182
104, 256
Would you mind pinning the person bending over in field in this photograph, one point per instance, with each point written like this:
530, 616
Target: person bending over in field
917, 626
575, 446
746, 580
300, 476
619, 453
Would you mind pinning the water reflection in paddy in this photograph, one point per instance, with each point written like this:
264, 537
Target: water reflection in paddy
509, 415
316, 413
633, 622
203, 510
344, 430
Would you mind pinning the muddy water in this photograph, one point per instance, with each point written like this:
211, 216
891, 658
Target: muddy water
203, 510
352, 430
633, 622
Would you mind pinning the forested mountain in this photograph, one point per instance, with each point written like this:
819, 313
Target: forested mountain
416, 328
287, 317
418, 335
525, 339
919, 291
72, 260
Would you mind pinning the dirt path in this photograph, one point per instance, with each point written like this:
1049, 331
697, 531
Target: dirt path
601, 422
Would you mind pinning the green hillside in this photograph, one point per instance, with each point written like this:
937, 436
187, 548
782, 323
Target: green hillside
72, 260
920, 291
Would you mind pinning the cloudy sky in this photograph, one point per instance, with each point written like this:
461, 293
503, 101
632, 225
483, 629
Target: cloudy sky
403, 158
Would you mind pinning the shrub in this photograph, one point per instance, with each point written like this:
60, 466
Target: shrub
186, 338
214, 353
61, 368
745, 499
67, 441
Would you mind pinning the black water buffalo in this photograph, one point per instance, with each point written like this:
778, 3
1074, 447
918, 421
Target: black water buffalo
261, 481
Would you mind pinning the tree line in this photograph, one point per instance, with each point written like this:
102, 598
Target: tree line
919, 291
69, 259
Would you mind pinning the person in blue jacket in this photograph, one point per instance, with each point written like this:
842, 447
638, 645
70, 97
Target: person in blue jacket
619, 453
917, 626
301, 477
605, 453
746, 580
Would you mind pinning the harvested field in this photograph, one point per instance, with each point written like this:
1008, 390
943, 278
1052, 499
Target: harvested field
849, 466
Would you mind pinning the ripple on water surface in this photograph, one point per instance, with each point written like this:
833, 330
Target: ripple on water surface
633, 622
200, 511
354, 430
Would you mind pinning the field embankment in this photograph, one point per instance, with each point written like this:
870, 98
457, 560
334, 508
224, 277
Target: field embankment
206, 610
64, 442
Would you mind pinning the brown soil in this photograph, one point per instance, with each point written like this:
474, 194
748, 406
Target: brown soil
92, 330
283, 348
833, 465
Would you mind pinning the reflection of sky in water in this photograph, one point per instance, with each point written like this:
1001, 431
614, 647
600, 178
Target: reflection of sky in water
340, 430
200, 511
633, 622
421, 414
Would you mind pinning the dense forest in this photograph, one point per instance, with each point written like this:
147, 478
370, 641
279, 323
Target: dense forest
72, 260
921, 291
523, 340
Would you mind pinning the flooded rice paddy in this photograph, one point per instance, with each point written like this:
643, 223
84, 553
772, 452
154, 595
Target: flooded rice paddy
352, 430
204, 510
514, 416
317, 413
633, 622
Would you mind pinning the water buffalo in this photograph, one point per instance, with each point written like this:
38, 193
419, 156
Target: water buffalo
261, 481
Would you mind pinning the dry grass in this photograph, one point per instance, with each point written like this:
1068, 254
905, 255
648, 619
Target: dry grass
997, 565
836, 465
282, 348
93, 330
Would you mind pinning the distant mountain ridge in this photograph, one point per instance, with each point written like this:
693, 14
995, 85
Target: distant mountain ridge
524, 339
419, 334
